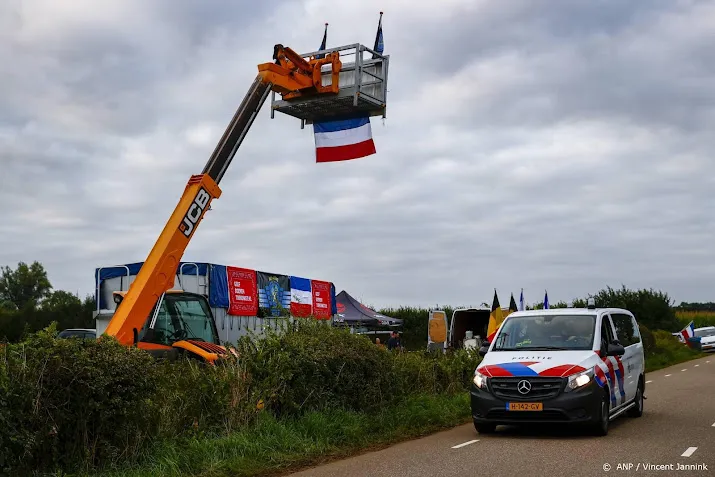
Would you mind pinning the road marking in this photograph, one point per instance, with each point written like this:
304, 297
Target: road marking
689, 451
465, 444
668, 375
697, 365
713, 424
683, 369
648, 382
707, 361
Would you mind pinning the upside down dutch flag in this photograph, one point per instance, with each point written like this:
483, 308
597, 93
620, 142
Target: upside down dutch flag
688, 332
343, 139
301, 297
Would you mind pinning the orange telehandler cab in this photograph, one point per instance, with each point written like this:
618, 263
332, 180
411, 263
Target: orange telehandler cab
164, 321
180, 322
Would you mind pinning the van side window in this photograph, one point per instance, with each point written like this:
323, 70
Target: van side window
636, 331
606, 332
625, 332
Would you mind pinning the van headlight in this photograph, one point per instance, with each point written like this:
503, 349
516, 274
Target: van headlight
479, 380
577, 381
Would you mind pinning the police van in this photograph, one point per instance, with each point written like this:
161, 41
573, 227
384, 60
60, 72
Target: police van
570, 365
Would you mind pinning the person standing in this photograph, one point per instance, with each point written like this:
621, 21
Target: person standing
394, 341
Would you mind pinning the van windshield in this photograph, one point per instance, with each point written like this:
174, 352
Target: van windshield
546, 332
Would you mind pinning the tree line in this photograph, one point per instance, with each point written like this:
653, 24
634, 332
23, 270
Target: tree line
29, 303
685, 306
653, 309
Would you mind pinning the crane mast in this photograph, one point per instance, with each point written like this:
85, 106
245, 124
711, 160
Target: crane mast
290, 75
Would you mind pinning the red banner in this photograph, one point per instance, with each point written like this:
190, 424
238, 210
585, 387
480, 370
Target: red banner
321, 299
242, 292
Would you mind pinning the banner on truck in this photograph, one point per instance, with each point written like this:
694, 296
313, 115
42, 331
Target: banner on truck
273, 294
301, 302
322, 303
242, 291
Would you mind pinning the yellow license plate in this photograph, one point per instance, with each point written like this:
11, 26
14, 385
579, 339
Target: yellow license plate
524, 406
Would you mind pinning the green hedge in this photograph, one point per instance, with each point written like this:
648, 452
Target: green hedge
73, 401
74, 404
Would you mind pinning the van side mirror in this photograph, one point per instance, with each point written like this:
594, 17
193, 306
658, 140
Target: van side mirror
484, 348
615, 349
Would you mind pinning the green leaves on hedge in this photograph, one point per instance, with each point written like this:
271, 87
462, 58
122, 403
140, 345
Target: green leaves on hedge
72, 404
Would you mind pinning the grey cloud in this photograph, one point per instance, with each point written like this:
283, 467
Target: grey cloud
522, 64
561, 147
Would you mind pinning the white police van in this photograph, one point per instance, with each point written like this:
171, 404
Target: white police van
569, 365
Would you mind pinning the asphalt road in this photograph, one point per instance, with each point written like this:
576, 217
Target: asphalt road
677, 427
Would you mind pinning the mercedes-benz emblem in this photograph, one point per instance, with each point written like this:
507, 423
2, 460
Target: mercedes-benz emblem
523, 386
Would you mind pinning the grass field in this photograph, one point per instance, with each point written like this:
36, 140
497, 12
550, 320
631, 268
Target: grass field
700, 318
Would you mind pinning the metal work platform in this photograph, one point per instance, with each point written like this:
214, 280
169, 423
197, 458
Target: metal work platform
362, 82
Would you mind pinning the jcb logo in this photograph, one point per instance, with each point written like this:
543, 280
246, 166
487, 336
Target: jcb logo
196, 210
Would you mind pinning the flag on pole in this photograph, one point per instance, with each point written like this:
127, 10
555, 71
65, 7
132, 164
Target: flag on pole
546, 300
688, 332
379, 42
322, 45
343, 139
521, 300
495, 318
512, 304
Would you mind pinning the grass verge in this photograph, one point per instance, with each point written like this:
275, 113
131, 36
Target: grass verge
273, 447
668, 351
660, 361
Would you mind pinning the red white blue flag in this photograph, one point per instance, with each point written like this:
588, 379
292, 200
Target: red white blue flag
688, 332
301, 297
343, 139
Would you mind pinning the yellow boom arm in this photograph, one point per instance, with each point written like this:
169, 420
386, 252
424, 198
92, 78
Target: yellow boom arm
290, 75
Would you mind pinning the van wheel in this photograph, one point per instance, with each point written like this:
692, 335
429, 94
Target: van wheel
483, 428
600, 428
637, 410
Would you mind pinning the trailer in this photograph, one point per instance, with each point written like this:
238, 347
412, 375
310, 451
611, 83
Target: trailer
212, 282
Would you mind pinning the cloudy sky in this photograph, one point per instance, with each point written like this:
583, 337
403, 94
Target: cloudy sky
560, 145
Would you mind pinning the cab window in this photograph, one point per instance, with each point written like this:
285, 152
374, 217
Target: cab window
625, 330
180, 317
195, 318
163, 330
636, 330
606, 332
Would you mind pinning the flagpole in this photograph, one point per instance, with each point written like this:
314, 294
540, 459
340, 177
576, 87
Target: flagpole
323, 45
378, 34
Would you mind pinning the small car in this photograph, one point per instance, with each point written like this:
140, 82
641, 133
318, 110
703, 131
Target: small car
85, 333
570, 365
707, 337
